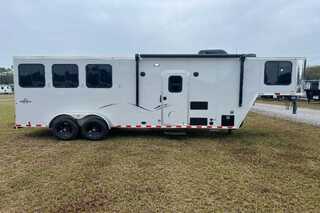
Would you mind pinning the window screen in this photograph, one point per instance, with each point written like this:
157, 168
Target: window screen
31, 75
278, 73
175, 84
65, 75
99, 75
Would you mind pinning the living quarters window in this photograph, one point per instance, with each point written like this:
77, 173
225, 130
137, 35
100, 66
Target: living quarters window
99, 76
65, 75
31, 75
175, 84
278, 73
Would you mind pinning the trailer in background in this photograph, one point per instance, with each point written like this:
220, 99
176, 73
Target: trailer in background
6, 89
312, 89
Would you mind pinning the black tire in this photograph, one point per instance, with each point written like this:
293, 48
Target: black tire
94, 128
65, 128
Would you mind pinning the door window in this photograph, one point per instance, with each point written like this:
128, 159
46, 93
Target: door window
175, 84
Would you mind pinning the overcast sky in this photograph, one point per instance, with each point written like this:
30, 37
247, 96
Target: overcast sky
122, 28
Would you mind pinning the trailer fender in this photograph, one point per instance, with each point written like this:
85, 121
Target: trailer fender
82, 120
79, 118
60, 116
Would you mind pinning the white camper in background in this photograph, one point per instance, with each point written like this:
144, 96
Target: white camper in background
5, 89
170, 91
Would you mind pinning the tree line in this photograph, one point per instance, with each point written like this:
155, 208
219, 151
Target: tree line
313, 73
6, 75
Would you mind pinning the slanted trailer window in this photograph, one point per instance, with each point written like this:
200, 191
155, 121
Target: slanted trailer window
65, 75
99, 75
278, 73
31, 75
175, 84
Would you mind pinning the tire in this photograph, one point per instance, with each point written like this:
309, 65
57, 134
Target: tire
65, 128
94, 128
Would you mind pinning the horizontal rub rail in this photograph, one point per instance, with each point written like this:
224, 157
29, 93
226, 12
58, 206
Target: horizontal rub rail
139, 126
148, 126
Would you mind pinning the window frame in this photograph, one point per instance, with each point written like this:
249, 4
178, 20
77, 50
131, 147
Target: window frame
44, 75
277, 84
99, 87
78, 77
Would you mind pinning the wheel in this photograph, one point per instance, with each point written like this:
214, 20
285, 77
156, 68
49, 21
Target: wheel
94, 128
65, 128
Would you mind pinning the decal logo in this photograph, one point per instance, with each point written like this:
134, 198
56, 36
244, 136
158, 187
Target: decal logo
25, 101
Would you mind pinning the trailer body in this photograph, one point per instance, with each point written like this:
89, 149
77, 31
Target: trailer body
150, 90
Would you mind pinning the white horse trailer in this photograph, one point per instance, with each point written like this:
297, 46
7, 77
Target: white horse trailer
5, 89
199, 91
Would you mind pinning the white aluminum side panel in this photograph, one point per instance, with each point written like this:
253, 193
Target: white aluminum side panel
218, 83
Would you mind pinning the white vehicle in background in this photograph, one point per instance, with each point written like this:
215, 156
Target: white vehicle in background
91, 96
6, 89
312, 89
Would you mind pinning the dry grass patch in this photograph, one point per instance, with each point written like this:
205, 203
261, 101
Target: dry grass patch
269, 165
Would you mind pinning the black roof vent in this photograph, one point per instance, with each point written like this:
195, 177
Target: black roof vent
213, 52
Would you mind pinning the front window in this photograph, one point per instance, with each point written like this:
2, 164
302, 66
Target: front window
278, 73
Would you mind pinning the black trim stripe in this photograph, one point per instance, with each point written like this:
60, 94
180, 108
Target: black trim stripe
188, 56
137, 57
242, 60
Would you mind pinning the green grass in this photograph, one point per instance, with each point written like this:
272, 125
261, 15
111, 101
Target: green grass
270, 165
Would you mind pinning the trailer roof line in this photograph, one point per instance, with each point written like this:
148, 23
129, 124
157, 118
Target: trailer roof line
191, 56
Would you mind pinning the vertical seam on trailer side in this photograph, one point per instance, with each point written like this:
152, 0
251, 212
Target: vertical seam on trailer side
242, 60
137, 57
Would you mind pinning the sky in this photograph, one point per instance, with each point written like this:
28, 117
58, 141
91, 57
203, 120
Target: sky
123, 28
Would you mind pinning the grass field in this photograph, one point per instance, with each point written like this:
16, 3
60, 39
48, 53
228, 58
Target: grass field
302, 103
269, 165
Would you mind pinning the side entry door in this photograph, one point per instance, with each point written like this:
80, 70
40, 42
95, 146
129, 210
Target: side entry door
174, 98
